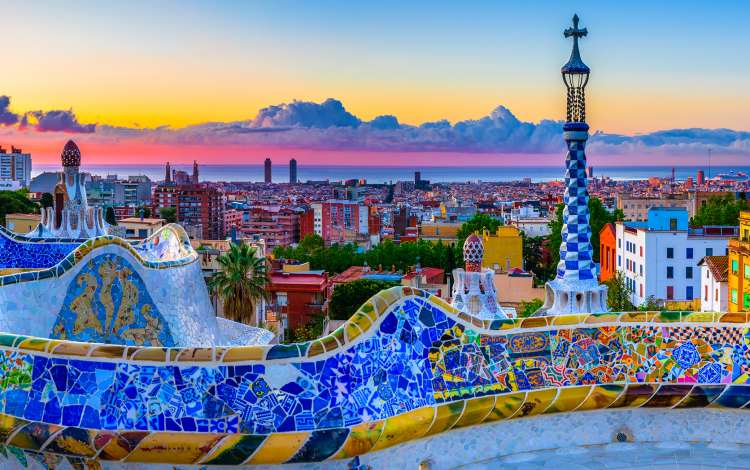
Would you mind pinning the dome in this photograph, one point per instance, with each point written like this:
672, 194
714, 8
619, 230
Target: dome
473, 252
71, 155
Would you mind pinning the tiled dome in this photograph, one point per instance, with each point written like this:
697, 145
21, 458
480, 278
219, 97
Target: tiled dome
71, 155
473, 252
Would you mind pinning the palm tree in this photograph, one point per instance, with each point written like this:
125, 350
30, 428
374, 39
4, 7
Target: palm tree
240, 282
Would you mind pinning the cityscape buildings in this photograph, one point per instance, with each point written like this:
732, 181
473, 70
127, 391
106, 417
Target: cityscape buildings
15, 166
659, 257
292, 171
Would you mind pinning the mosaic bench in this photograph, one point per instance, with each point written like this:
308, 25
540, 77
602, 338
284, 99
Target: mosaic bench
406, 366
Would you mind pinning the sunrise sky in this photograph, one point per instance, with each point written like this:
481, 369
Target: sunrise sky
149, 81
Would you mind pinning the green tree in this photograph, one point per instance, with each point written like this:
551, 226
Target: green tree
109, 216
347, 298
533, 260
651, 304
526, 309
16, 202
169, 214
478, 223
144, 211
47, 200
619, 293
720, 210
599, 216
240, 282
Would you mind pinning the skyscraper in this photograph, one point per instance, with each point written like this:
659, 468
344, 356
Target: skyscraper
267, 170
15, 166
194, 178
168, 174
293, 171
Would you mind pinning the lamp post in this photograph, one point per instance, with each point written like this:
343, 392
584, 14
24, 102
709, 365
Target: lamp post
575, 288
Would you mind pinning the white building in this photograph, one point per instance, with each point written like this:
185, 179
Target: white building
532, 226
659, 257
714, 290
15, 166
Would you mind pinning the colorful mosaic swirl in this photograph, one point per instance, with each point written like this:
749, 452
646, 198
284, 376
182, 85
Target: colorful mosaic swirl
405, 366
166, 248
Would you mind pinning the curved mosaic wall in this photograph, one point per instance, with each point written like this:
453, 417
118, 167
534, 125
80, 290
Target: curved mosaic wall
404, 367
19, 252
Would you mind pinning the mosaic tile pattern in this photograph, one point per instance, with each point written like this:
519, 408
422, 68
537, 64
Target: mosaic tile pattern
576, 262
109, 303
405, 366
21, 253
167, 248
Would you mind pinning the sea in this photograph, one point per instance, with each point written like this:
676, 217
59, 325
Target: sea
387, 174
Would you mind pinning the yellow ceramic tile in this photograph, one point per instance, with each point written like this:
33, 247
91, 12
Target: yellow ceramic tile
475, 411
68, 348
195, 355
329, 343
244, 353
362, 321
446, 416
601, 318
34, 344
560, 320
569, 399
506, 406
700, 317
668, 395
734, 317
635, 395
633, 317
109, 351
338, 333
537, 401
279, 447
405, 427
316, 349
121, 445
534, 322
361, 439
148, 354
352, 331
8, 425
602, 396
174, 447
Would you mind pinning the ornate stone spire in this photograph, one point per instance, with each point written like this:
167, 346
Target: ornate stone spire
575, 289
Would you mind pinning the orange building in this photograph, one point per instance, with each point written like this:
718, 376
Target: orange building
607, 252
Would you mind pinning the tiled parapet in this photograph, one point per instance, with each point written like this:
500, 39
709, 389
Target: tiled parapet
404, 367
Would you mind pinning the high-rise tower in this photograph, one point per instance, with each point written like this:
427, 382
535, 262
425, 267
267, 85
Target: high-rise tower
267, 170
194, 178
293, 171
575, 289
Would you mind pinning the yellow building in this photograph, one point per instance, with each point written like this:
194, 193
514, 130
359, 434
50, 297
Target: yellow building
436, 231
738, 282
22, 223
503, 250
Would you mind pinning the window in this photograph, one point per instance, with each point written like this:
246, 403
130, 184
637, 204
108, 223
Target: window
619, 260
747, 271
619, 243
709, 251
734, 296
670, 253
689, 253
281, 298
670, 272
641, 250
689, 293
641, 270
735, 266
705, 293
688, 272
673, 224
746, 301
641, 290
670, 292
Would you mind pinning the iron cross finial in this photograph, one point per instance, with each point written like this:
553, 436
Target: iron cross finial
575, 31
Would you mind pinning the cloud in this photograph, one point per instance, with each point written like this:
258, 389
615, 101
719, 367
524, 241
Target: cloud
305, 114
59, 120
330, 126
7, 118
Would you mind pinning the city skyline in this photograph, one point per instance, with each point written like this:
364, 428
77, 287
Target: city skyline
236, 83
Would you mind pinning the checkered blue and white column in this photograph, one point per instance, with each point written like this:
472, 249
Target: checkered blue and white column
576, 262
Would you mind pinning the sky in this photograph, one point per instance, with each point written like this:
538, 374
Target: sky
457, 82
